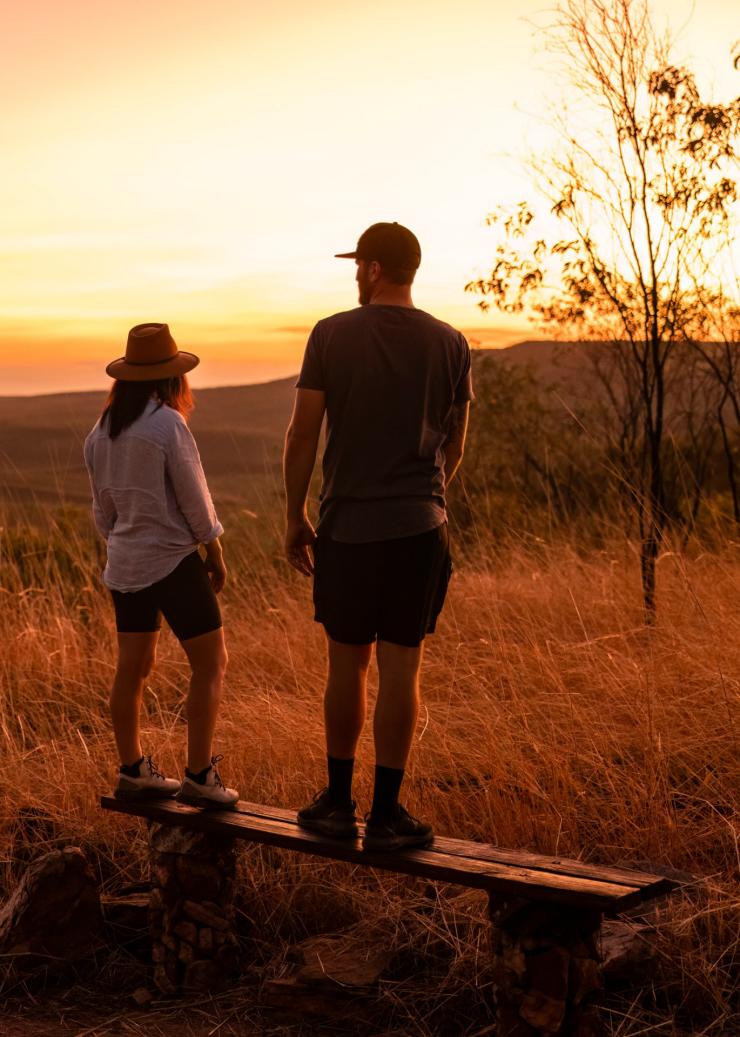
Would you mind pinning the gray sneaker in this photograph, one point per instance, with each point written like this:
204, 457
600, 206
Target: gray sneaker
150, 783
211, 793
323, 815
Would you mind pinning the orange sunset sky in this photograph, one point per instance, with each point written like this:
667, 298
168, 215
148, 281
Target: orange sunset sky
201, 163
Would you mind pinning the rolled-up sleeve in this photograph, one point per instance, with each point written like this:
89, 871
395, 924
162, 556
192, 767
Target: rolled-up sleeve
188, 480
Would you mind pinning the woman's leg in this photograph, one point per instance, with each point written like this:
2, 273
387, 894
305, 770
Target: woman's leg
208, 658
136, 654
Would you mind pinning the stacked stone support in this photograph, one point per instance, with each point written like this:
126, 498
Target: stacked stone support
546, 969
191, 910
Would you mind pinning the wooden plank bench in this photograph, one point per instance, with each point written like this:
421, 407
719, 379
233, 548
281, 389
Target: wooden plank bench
546, 911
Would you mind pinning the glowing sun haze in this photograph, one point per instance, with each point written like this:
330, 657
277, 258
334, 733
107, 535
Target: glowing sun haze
201, 163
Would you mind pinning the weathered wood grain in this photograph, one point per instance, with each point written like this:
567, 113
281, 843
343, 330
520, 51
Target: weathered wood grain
476, 865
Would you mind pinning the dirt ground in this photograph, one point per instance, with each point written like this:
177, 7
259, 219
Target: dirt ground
80, 1012
60, 1018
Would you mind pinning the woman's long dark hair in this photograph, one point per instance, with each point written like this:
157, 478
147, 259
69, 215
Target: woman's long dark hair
127, 400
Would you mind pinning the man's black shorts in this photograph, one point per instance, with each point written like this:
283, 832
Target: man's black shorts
392, 590
185, 597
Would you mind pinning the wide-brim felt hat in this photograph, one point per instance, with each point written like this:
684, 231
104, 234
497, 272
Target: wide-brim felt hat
151, 354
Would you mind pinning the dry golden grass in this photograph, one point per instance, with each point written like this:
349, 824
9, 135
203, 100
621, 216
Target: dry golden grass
552, 720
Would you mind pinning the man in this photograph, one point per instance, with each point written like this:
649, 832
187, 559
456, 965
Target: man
395, 385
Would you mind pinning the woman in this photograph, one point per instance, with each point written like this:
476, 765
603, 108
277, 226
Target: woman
152, 505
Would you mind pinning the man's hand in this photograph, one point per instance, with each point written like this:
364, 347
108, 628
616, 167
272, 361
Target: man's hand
215, 565
299, 537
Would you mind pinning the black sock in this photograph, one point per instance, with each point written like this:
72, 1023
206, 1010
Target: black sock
385, 794
131, 770
198, 776
340, 780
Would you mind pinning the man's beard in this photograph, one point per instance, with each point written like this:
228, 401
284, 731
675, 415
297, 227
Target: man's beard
363, 292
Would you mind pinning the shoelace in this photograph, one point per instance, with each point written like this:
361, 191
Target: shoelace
402, 813
351, 806
154, 772
216, 775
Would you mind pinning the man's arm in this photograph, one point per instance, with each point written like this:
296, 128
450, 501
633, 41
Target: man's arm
299, 457
455, 444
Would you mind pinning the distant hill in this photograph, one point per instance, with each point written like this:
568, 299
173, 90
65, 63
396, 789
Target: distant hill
565, 363
239, 431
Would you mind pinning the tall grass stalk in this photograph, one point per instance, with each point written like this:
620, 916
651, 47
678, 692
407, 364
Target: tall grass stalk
552, 720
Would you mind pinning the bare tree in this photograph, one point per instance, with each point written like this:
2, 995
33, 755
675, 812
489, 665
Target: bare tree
717, 341
641, 185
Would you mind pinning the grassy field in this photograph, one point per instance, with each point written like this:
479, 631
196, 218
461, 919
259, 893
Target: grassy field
239, 431
553, 720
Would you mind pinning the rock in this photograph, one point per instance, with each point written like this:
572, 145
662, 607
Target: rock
172, 968
207, 914
335, 1003
346, 960
627, 952
142, 996
584, 979
192, 913
542, 1012
198, 879
54, 914
514, 960
162, 980
547, 973
159, 952
206, 976
187, 931
163, 876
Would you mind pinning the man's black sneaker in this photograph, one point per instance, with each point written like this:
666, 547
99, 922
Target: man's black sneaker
397, 833
323, 815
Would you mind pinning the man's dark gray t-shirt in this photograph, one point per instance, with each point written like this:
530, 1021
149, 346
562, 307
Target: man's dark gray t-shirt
392, 376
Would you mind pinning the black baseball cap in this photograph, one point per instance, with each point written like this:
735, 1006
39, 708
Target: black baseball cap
389, 244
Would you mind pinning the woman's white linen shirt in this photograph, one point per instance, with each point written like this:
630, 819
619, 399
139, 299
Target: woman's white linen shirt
150, 497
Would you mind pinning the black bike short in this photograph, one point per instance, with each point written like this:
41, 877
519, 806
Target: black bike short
389, 590
185, 597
